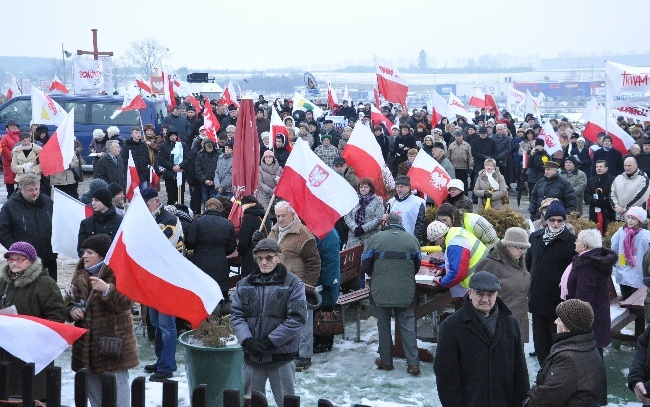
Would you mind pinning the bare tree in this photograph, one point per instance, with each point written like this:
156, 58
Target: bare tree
146, 54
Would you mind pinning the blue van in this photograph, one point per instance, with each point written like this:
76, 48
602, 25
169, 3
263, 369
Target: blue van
91, 112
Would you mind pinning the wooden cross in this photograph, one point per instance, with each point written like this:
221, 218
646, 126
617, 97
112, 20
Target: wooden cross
95, 53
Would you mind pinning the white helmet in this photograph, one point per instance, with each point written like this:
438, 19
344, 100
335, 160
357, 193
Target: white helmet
436, 230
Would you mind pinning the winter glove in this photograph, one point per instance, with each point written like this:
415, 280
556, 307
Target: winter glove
28, 167
487, 194
255, 348
268, 345
257, 236
358, 231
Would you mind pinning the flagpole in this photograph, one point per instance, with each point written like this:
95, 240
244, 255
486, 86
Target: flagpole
266, 214
606, 113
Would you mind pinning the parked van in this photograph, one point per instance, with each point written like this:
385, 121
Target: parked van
91, 112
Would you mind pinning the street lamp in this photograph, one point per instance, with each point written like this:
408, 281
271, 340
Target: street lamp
64, 54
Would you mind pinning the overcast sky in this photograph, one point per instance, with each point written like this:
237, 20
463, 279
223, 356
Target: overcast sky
314, 35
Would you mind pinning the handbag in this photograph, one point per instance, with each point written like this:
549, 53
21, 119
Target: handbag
328, 323
110, 346
506, 199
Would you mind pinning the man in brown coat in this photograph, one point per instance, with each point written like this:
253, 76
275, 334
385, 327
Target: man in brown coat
300, 256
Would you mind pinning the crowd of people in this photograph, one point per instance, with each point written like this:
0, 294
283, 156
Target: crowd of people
560, 278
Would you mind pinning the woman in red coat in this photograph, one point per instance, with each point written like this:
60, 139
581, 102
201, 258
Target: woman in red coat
7, 143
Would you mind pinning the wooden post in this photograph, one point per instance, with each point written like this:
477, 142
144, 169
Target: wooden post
4, 380
230, 398
53, 393
95, 52
137, 392
291, 401
81, 388
28, 384
109, 390
325, 403
170, 393
200, 396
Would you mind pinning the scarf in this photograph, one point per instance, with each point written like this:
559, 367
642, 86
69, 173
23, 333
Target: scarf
564, 281
282, 231
360, 215
493, 182
628, 244
95, 269
549, 236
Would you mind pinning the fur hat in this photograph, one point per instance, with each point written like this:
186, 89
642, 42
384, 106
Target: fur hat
98, 243
638, 212
516, 237
436, 230
555, 209
104, 195
456, 183
576, 315
403, 180
23, 249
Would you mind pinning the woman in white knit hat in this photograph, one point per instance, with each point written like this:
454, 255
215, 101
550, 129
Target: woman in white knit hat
630, 242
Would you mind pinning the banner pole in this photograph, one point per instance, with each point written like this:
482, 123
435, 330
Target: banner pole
266, 214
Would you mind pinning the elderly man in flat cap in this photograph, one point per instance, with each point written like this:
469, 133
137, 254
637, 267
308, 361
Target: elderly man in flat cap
480, 356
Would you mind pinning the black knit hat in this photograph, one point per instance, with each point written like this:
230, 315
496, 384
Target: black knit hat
104, 195
576, 315
539, 142
98, 243
555, 209
115, 189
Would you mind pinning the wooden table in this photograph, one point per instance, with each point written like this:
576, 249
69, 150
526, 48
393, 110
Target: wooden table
635, 304
441, 298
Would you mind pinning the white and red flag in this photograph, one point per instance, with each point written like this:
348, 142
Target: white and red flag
456, 107
229, 96
149, 270
142, 84
195, 103
168, 88
550, 137
332, 100
154, 179
318, 194
278, 127
58, 85
376, 91
633, 112
377, 117
532, 106
626, 85
45, 110
211, 124
14, 90
428, 176
390, 82
132, 178
58, 152
478, 98
598, 121
491, 103
363, 153
36, 340
132, 101
438, 108
346, 95
67, 214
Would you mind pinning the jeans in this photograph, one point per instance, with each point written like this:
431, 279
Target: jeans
207, 192
165, 340
405, 322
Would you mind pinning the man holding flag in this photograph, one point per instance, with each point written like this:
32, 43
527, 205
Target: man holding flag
173, 159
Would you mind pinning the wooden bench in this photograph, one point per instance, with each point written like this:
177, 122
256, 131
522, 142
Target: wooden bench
635, 306
353, 299
351, 263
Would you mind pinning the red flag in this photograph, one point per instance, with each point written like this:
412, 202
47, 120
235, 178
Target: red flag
491, 103
154, 179
132, 178
58, 85
195, 103
245, 158
331, 97
210, 123
142, 84
36, 340
57, 154
390, 82
478, 98
318, 194
148, 269
130, 103
428, 176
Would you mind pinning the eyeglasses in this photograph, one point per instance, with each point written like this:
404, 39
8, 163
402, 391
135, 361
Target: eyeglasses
556, 220
268, 259
19, 260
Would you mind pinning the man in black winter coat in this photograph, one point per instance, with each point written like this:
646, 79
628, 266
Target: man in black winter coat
613, 157
140, 153
177, 120
551, 251
552, 186
173, 160
104, 220
205, 167
27, 217
480, 357
111, 167
597, 195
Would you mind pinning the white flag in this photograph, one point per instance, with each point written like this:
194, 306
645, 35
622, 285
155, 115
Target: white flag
626, 85
516, 103
551, 140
